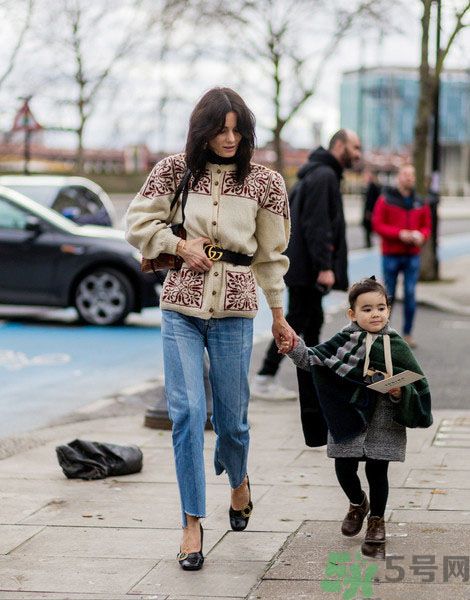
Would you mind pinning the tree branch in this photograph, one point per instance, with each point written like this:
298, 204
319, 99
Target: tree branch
19, 42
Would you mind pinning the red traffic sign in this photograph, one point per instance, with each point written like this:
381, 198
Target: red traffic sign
25, 120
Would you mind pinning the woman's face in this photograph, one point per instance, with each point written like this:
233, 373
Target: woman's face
226, 142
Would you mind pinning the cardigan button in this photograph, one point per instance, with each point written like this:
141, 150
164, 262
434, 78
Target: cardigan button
216, 183
215, 203
214, 292
211, 310
215, 274
214, 222
219, 171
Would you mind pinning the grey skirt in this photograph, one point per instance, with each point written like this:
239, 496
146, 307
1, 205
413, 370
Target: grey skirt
384, 439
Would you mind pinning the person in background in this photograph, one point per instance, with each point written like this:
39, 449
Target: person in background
371, 194
403, 221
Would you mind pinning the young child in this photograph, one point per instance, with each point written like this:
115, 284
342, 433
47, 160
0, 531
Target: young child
362, 424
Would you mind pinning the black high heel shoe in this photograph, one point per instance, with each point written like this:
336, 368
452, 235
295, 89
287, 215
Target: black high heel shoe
239, 518
192, 561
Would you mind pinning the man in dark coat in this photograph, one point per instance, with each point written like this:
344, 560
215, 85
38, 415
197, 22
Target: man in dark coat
318, 254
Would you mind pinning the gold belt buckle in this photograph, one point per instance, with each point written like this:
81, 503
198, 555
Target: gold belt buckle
213, 252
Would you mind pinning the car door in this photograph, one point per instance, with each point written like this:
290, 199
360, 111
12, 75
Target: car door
28, 259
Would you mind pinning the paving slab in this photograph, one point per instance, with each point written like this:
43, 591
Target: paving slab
431, 516
442, 478
102, 542
450, 499
4, 595
12, 536
16, 507
415, 553
251, 545
71, 574
221, 579
311, 590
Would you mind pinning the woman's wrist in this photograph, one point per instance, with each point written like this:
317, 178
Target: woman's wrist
180, 247
278, 313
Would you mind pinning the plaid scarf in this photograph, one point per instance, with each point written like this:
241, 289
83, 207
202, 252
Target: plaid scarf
346, 402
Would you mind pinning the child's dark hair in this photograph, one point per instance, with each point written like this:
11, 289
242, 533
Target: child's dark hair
370, 284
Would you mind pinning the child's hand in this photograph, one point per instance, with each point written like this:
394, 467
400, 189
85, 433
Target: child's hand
284, 346
395, 393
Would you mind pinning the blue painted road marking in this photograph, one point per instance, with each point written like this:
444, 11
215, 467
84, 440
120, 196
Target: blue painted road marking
47, 370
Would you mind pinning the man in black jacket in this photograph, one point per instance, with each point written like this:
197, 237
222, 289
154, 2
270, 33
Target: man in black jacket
317, 251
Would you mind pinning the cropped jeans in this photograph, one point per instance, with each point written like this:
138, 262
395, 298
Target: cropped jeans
229, 344
409, 265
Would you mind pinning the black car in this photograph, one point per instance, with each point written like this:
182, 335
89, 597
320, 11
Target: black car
47, 260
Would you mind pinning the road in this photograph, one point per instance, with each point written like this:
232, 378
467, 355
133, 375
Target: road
49, 365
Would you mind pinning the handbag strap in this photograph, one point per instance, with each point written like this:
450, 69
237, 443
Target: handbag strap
387, 353
184, 188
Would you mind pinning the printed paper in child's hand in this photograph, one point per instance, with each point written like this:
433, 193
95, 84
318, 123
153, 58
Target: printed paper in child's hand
395, 381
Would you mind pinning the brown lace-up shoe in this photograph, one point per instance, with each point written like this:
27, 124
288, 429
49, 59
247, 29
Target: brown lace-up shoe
375, 533
352, 523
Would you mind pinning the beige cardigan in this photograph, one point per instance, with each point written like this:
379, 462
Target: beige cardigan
252, 218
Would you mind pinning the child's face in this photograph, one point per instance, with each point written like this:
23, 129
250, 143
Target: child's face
370, 311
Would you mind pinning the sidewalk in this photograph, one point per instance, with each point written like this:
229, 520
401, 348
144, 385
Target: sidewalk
117, 538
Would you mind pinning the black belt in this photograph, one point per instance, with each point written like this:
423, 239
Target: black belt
216, 253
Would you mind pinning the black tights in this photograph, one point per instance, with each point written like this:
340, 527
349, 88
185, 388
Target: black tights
376, 473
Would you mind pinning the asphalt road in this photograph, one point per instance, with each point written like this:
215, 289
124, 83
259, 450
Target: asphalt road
49, 365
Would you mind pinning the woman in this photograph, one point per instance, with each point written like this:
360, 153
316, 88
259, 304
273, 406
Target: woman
237, 224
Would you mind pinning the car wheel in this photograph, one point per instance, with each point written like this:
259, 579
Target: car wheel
104, 297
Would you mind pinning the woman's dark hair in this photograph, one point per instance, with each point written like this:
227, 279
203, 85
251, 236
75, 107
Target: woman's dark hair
370, 284
208, 119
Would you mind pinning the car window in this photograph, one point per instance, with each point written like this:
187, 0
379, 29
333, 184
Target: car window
76, 195
11, 217
44, 194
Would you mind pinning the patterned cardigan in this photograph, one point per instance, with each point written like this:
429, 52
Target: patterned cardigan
252, 218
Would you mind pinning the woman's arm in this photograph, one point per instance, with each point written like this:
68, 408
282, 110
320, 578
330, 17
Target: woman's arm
149, 211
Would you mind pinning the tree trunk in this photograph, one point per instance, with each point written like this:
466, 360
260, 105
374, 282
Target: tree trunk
277, 146
424, 104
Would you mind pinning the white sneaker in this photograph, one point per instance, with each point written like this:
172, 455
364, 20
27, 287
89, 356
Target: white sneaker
264, 387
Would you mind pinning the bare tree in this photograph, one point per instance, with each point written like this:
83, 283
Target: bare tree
428, 83
293, 41
428, 80
91, 41
19, 35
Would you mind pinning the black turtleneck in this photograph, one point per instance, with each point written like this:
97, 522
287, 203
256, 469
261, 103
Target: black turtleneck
215, 159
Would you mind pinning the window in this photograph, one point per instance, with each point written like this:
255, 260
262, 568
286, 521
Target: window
11, 217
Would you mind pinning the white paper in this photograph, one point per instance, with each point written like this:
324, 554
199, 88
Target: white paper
395, 381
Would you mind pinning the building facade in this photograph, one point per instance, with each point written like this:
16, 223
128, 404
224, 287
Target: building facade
380, 104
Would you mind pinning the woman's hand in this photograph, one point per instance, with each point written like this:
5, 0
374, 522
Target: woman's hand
284, 336
395, 393
192, 252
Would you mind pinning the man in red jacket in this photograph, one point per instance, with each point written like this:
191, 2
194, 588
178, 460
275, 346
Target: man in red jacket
403, 221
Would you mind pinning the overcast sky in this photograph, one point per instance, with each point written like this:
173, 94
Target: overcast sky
126, 117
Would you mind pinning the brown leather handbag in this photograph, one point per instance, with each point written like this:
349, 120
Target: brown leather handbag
164, 260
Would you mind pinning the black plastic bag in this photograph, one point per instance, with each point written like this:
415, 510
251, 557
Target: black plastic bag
81, 459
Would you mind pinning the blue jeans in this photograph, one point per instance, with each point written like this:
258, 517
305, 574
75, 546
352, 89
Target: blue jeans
392, 265
229, 342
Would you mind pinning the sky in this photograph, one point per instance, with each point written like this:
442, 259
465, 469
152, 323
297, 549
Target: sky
129, 114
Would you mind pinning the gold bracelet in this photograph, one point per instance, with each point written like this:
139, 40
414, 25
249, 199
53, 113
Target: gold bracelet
180, 246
